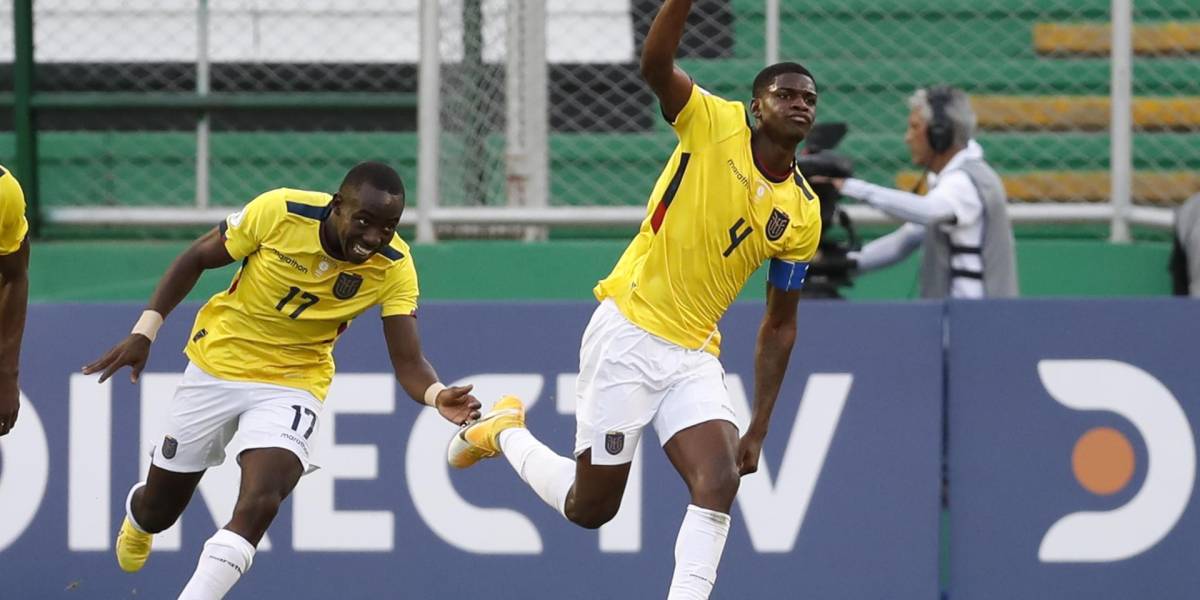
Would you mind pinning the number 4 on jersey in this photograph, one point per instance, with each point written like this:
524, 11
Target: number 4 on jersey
736, 236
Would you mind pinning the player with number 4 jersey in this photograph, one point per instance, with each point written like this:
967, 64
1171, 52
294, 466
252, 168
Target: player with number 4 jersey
729, 200
261, 356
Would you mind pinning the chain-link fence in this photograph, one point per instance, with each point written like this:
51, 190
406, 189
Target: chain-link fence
1039, 73
8, 140
182, 103
605, 142
472, 102
114, 156
295, 91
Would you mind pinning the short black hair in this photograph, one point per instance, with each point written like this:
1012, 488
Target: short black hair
766, 76
377, 174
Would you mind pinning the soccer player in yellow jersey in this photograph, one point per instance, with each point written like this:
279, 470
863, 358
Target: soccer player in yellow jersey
261, 356
729, 199
14, 293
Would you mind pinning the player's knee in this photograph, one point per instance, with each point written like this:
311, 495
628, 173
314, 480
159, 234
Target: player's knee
258, 508
593, 519
592, 516
716, 489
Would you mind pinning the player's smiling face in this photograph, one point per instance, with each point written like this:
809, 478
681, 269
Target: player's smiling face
365, 221
787, 108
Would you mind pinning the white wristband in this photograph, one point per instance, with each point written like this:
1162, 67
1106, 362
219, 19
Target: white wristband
431, 393
148, 324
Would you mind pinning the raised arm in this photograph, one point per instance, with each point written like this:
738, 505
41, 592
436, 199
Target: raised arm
417, 376
207, 252
670, 83
776, 336
14, 297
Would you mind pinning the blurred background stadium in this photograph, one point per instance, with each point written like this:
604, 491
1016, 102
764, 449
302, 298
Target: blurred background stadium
529, 145
136, 120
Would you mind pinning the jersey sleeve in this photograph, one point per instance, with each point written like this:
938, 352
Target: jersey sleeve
803, 245
400, 289
789, 268
707, 118
244, 231
13, 225
805, 234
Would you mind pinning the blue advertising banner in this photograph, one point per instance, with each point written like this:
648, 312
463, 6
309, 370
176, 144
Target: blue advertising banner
1072, 449
845, 505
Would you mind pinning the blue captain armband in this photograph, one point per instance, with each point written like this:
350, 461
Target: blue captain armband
787, 275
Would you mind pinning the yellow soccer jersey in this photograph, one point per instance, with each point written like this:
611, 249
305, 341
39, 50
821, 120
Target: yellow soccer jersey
13, 225
712, 220
290, 301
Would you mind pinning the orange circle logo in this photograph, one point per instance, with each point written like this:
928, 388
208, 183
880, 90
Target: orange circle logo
1103, 461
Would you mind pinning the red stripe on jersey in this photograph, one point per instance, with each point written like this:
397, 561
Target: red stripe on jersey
233, 286
660, 212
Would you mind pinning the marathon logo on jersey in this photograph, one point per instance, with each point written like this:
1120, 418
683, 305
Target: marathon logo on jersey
777, 224
287, 260
199, 335
346, 286
742, 179
169, 447
614, 442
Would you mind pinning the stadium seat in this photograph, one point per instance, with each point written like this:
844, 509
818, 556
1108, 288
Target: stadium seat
1169, 38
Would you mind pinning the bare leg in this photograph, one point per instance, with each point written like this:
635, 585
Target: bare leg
586, 494
705, 456
268, 476
158, 504
596, 496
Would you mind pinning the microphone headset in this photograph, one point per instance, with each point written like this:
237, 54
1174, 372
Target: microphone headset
939, 130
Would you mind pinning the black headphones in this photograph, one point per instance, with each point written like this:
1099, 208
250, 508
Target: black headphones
939, 130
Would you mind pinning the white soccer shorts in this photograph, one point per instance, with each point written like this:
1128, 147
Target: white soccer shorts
206, 411
629, 378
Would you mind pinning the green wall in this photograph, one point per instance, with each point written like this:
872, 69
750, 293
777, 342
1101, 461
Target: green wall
567, 270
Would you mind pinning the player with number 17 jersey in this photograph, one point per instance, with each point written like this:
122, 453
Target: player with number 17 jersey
280, 317
261, 357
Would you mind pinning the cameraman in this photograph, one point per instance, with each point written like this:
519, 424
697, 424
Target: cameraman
962, 223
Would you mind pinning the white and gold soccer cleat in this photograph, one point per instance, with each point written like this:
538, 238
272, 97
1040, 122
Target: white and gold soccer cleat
481, 439
133, 547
